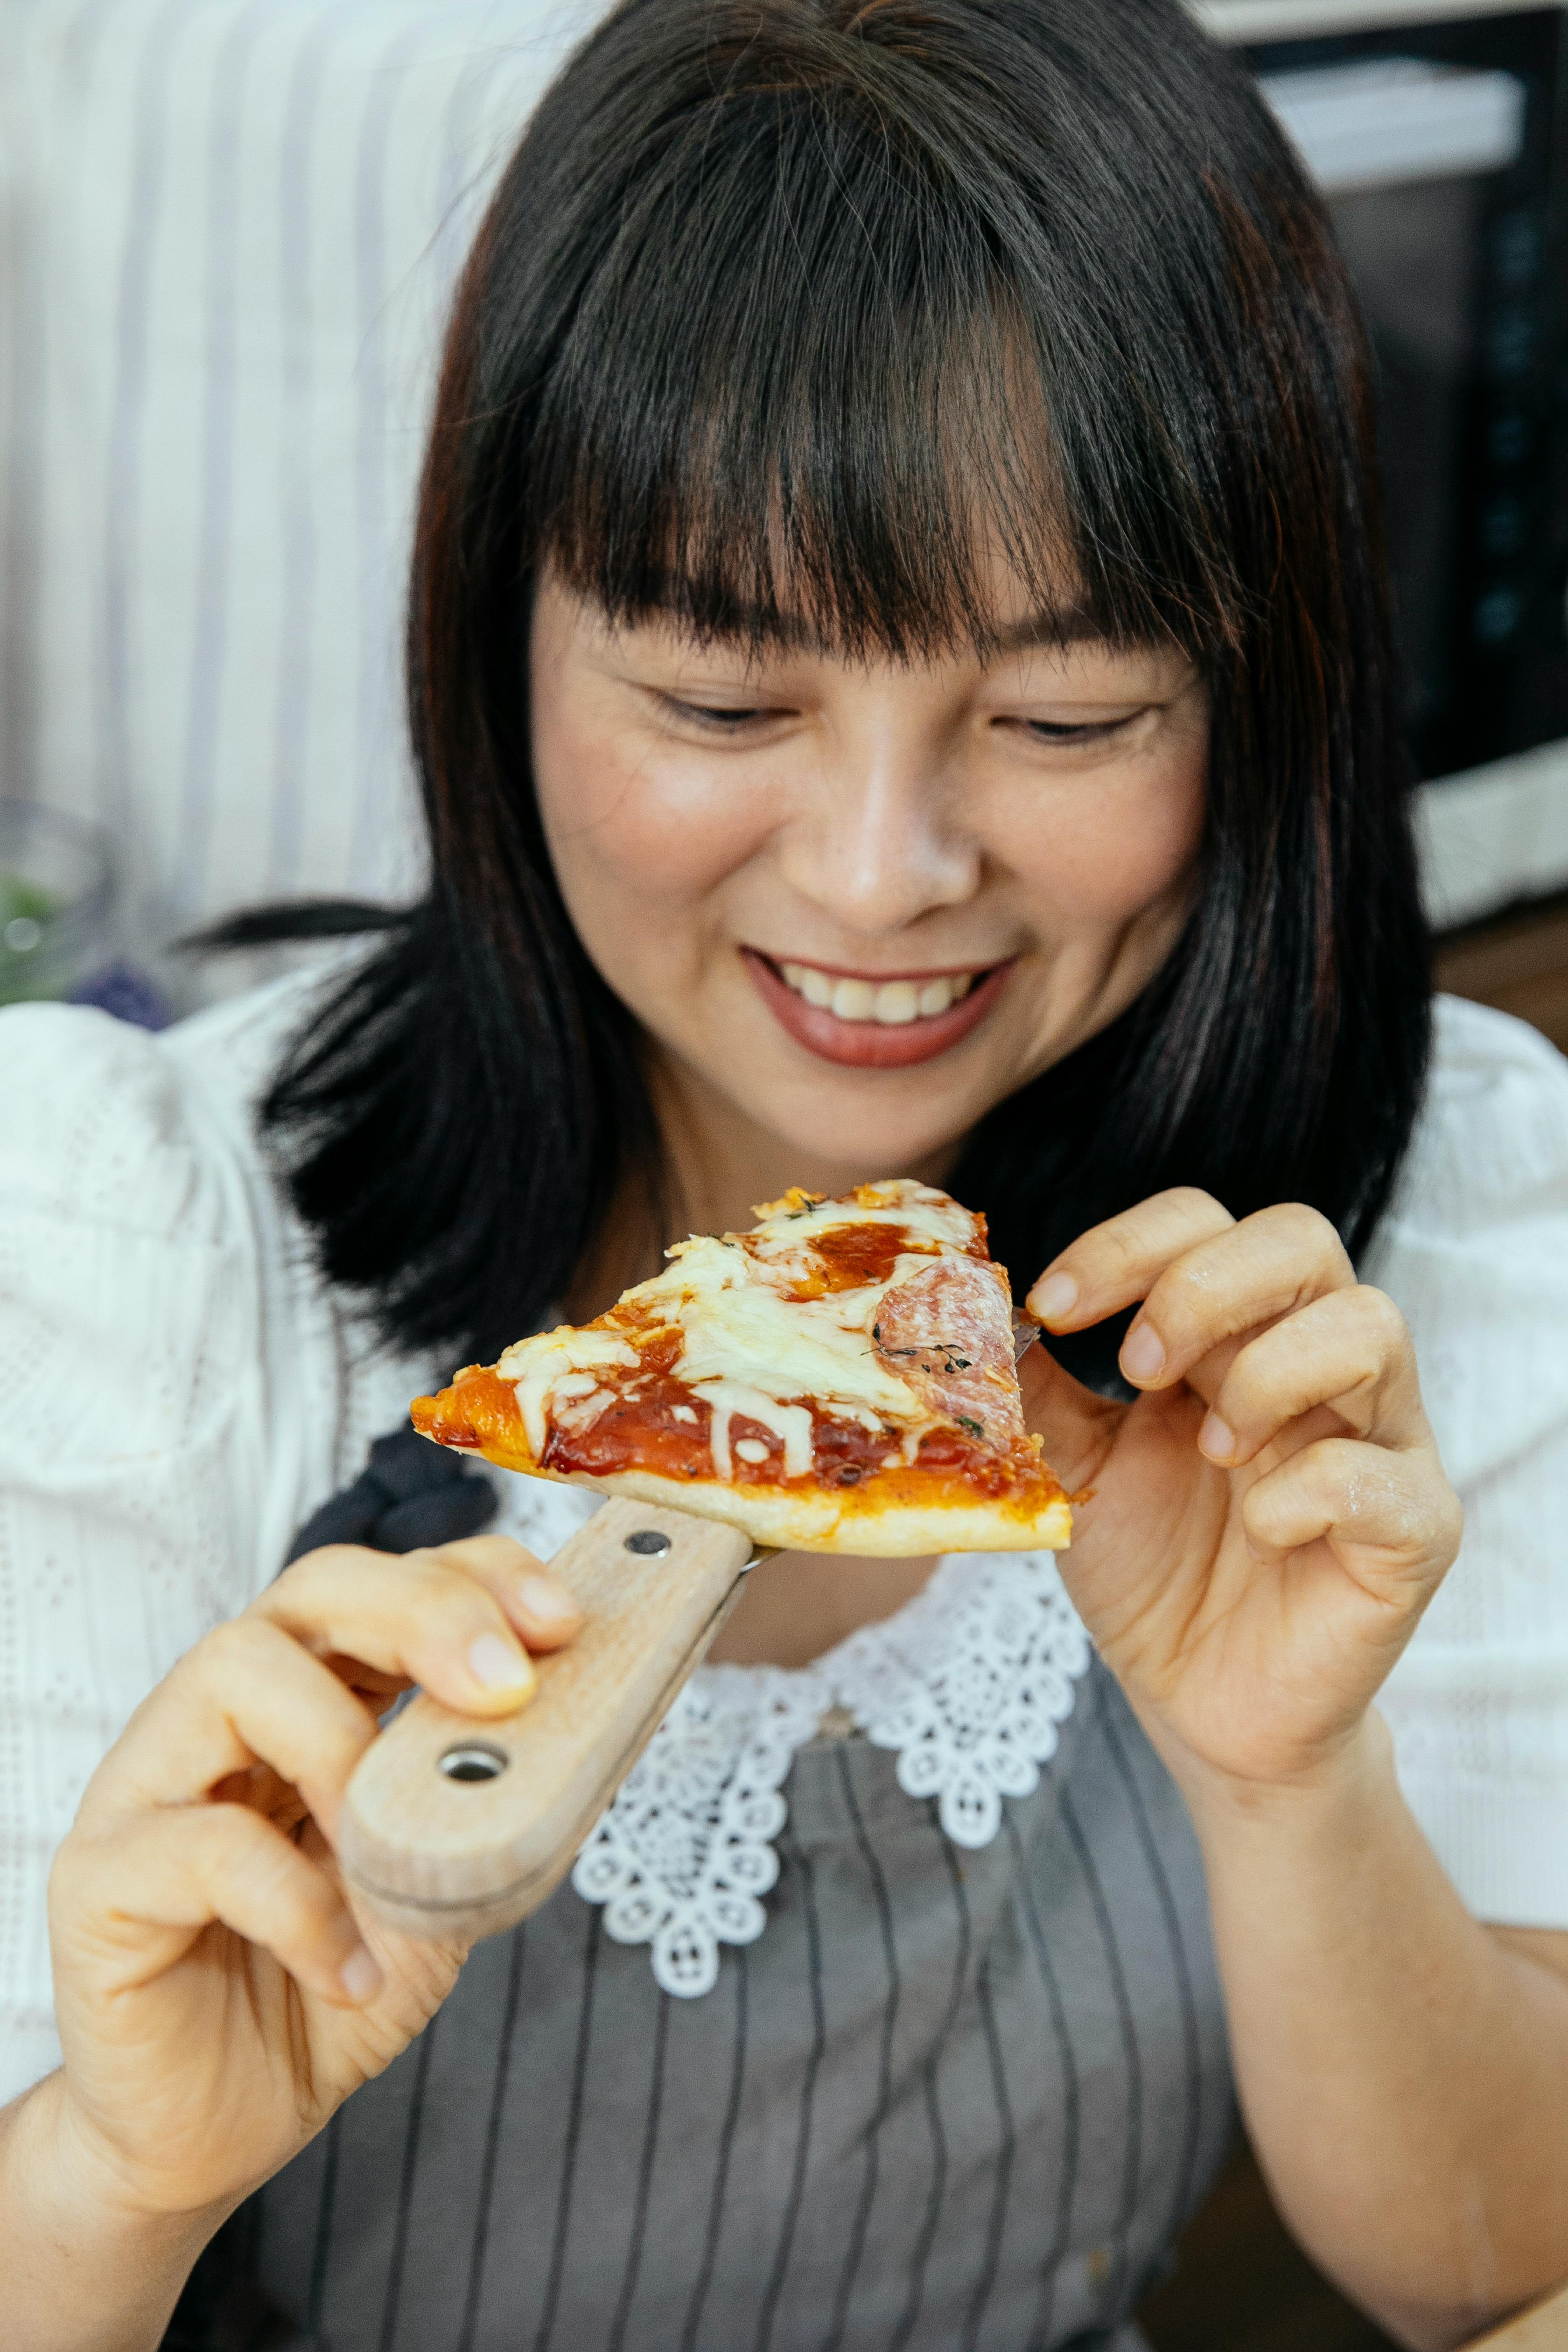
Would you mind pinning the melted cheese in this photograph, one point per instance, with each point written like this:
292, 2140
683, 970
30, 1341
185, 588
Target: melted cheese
790, 1423
541, 1369
581, 1408
747, 1350
789, 1225
736, 1329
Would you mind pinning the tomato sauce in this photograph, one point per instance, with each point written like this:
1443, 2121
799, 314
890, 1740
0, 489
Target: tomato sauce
647, 1430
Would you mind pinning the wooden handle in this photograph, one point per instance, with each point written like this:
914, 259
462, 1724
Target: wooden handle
458, 1826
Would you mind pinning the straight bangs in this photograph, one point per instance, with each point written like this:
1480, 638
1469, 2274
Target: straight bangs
818, 386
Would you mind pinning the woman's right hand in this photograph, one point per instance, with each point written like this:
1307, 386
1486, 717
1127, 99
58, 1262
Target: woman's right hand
217, 1990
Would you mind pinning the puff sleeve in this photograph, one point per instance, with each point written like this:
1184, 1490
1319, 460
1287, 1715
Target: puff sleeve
143, 1482
1474, 1252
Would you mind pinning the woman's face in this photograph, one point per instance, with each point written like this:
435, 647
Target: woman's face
855, 905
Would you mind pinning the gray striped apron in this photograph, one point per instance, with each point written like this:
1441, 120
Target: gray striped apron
950, 2101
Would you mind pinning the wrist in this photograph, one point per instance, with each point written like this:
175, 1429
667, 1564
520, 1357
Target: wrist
96, 2176
1336, 1786
86, 2266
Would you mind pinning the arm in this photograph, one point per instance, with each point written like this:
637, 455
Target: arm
1270, 1518
218, 1991
1403, 2071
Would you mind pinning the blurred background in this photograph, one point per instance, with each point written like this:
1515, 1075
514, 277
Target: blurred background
228, 230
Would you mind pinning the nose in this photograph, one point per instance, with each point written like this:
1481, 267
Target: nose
878, 839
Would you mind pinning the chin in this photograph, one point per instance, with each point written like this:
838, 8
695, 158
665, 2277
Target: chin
865, 1148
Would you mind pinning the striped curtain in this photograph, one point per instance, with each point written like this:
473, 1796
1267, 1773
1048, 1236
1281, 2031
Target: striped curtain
228, 232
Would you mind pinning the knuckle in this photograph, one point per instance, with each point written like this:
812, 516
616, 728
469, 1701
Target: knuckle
291, 1588
441, 1604
1181, 1300
1305, 1232
1340, 1470
67, 1866
249, 1860
228, 1650
1191, 1202
1382, 1318
1263, 1512
1119, 1243
1245, 1389
323, 1560
471, 1553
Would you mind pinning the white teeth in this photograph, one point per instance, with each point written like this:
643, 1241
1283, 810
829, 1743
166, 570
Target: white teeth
854, 999
895, 1003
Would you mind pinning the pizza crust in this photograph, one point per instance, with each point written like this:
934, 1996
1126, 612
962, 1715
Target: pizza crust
793, 1519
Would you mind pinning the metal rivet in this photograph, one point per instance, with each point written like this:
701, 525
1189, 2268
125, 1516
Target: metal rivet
473, 1763
649, 1541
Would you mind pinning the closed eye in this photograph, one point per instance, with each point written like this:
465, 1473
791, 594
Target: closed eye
723, 718
1051, 730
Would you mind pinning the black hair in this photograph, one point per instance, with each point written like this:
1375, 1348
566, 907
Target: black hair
781, 307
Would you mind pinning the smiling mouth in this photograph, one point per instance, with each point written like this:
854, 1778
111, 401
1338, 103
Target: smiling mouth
876, 1023
892, 1002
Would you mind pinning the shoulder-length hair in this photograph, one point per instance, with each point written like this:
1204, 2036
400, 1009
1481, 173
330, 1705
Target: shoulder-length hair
784, 309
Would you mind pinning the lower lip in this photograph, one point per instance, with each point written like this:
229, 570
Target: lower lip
873, 1045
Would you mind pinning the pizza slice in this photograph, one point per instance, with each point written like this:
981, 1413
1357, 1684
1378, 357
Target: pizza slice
840, 1378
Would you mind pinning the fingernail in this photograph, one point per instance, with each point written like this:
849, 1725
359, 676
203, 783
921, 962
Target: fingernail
1215, 1440
545, 1599
360, 1977
500, 1665
1143, 1353
1051, 1300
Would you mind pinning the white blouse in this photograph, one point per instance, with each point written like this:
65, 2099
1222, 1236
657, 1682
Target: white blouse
181, 1390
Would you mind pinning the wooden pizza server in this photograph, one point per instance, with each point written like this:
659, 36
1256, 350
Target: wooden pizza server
452, 1825
456, 1826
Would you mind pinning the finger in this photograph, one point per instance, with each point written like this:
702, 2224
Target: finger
1267, 1266
537, 1603
1397, 1511
246, 1694
139, 1898
1076, 1425
1118, 1262
1351, 1350
414, 1614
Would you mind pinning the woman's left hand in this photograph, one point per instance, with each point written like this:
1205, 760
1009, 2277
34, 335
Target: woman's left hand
1269, 1516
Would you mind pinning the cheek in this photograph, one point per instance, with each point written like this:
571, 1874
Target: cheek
1104, 854
628, 822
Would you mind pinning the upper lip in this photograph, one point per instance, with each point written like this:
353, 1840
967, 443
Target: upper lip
780, 957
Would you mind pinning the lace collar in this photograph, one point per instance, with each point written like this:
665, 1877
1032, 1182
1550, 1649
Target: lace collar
967, 1685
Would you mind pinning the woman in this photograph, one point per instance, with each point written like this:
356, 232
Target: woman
900, 674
